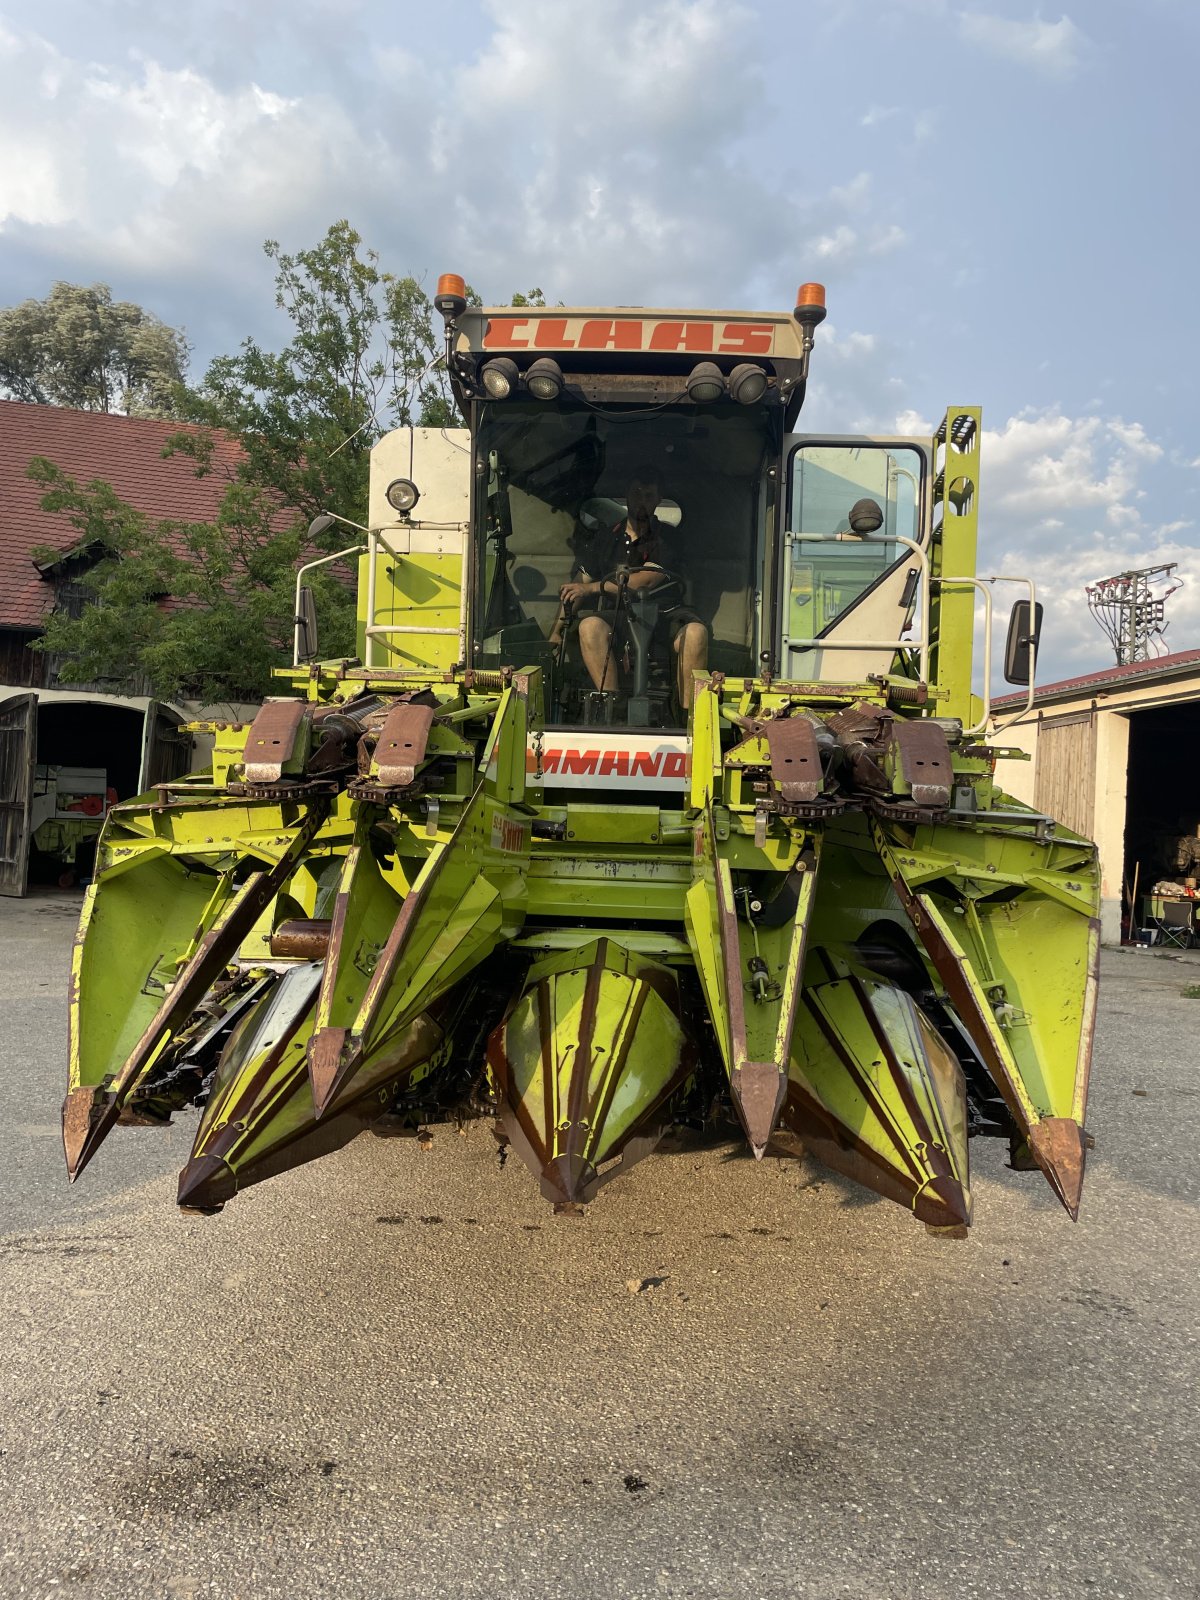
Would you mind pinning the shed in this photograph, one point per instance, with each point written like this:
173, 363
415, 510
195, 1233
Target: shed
1115, 755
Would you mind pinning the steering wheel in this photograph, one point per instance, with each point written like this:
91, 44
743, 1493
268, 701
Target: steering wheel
667, 581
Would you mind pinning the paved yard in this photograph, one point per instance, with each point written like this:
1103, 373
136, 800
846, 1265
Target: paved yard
397, 1374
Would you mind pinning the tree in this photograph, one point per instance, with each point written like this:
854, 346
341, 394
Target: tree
79, 347
364, 356
199, 609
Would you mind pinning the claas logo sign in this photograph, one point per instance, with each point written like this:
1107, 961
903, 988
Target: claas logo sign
629, 333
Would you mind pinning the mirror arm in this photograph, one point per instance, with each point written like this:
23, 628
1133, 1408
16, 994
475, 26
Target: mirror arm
338, 555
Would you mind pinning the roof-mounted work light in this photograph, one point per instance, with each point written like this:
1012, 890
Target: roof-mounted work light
747, 383
500, 378
544, 380
705, 383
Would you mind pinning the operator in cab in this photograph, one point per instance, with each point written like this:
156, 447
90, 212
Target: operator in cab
641, 546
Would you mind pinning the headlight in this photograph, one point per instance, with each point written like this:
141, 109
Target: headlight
402, 494
544, 380
747, 383
500, 378
705, 383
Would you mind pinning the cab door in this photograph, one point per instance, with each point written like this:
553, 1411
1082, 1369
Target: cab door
18, 757
850, 600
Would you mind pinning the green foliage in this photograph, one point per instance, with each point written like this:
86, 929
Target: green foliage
231, 585
365, 355
81, 348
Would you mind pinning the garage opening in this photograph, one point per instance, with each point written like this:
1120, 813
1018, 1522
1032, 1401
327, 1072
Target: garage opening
89, 755
63, 764
1162, 823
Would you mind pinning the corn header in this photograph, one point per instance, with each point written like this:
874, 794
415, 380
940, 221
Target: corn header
656, 797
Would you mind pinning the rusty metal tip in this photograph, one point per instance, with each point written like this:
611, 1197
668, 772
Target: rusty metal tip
88, 1115
205, 1184
944, 1206
1059, 1147
329, 1065
758, 1090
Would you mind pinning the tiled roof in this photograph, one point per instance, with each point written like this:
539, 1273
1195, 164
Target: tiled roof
1065, 688
123, 451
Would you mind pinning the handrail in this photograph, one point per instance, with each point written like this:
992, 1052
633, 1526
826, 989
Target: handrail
873, 644
982, 585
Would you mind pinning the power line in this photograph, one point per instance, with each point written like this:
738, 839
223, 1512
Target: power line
1130, 610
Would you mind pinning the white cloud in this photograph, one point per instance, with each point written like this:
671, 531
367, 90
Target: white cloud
1062, 501
577, 149
1056, 49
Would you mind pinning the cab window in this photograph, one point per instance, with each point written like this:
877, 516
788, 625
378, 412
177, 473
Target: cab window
847, 505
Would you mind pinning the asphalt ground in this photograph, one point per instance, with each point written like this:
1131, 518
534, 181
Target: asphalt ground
395, 1373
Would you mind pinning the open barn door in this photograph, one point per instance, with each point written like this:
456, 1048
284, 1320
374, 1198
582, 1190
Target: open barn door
166, 749
18, 756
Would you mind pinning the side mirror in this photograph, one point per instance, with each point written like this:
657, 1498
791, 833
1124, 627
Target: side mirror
1020, 651
306, 626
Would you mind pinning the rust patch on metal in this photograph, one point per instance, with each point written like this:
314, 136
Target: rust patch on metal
1059, 1147
923, 761
795, 759
402, 743
758, 1089
272, 740
302, 938
88, 1114
325, 1066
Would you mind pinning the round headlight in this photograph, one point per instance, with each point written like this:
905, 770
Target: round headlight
747, 383
402, 494
544, 380
705, 383
500, 378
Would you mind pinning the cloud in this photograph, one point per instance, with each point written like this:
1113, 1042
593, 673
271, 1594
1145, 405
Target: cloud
1063, 501
1055, 49
922, 124
577, 149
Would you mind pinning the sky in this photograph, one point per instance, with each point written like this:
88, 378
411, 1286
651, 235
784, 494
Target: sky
1001, 201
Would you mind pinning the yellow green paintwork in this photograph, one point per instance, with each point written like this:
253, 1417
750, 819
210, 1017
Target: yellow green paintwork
638, 974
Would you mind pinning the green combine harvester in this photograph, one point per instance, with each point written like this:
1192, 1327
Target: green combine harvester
656, 798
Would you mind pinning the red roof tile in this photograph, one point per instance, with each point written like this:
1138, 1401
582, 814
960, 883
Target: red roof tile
123, 451
1159, 665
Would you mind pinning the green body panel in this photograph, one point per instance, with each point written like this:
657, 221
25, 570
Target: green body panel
839, 934
427, 605
877, 1094
953, 555
587, 1058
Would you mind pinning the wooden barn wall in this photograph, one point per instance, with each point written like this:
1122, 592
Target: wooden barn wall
20, 667
1066, 770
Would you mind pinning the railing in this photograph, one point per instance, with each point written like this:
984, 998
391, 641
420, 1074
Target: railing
921, 645
377, 542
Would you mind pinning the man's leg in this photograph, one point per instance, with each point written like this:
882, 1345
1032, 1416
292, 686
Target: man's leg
594, 637
691, 646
